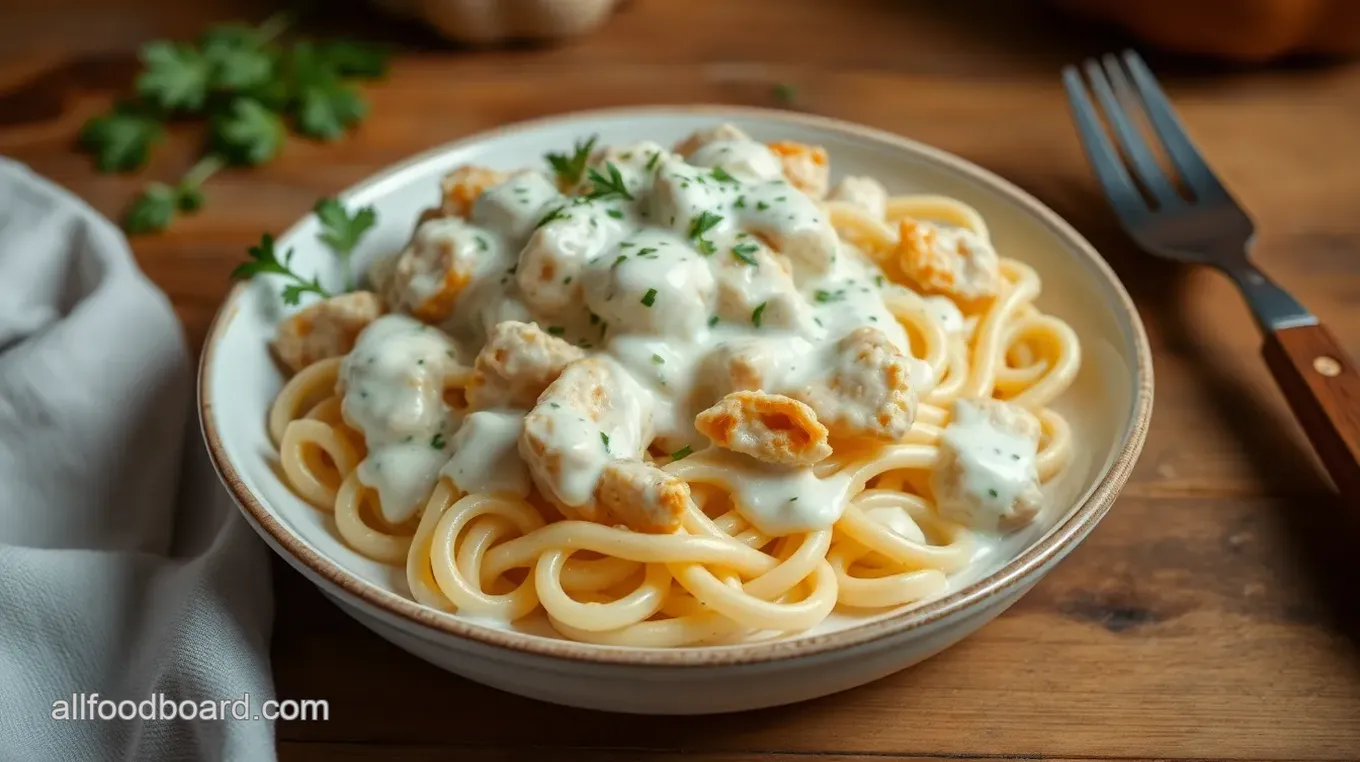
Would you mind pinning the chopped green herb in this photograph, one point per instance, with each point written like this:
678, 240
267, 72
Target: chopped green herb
682, 453
437, 441
554, 405
615, 213
705, 247
566, 281
626, 244
755, 316
721, 175
651, 163
712, 321
604, 438
781, 199
823, 297
649, 298
878, 281
658, 360
741, 203
703, 223
793, 499
762, 206
607, 188
991, 492
818, 321
618, 261
570, 168
556, 214
645, 251
743, 251
556, 330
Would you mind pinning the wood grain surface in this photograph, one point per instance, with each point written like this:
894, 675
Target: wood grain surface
1215, 614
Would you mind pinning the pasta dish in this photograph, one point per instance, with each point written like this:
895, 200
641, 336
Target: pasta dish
678, 396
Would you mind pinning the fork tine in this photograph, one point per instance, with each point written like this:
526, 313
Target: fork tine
1114, 178
1177, 142
1145, 165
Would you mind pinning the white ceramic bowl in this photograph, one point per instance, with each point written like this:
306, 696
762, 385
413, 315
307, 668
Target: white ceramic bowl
1108, 406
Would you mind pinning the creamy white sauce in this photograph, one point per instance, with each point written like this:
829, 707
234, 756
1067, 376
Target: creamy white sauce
946, 313
996, 465
393, 381
657, 285
485, 456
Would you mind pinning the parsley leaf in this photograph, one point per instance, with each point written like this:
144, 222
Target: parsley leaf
743, 251
682, 453
121, 140
341, 232
605, 188
235, 58
649, 298
721, 175
557, 213
703, 223
152, 210
248, 133
176, 76
437, 441
326, 108
570, 168
264, 259
823, 297
605, 438
756, 315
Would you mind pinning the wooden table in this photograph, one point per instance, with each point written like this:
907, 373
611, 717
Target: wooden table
1215, 612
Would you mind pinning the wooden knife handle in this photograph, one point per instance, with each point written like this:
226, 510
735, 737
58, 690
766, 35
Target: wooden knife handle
1322, 385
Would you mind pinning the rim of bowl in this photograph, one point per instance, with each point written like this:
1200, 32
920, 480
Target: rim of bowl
1014, 572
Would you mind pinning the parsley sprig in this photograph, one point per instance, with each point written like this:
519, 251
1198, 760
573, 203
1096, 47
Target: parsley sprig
705, 222
248, 89
570, 168
341, 231
264, 259
608, 187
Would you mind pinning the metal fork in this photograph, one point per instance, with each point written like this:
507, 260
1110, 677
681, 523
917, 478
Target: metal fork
1202, 223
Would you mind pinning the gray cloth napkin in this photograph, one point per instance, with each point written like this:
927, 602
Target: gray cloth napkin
125, 570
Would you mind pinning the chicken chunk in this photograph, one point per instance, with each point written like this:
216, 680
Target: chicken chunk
518, 362
743, 159
749, 275
793, 224
461, 188
806, 167
325, 329
657, 285
592, 415
550, 268
642, 497
514, 207
954, 262
430, 274
768, 427
864, 192
635, 162
753, 363
865, 390
985, 476
700, 138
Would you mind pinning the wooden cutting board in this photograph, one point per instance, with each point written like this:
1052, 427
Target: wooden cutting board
1213, 615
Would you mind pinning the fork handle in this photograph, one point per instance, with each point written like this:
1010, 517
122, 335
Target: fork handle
1322, 386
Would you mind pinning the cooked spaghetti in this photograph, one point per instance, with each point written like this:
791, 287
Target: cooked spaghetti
678, 397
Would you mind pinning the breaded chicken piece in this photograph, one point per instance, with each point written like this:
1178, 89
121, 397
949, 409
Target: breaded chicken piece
700, 138
986, 476
864, 192
642, 497
806, 167
431, 273
325, 329
954, 262
867, 393
461, 188
517, 363
768, 427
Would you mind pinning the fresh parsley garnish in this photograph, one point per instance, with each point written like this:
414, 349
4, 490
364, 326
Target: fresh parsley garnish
703, 223
741, 203
615, 213
756, 315
705, 247
721, 175
743, 251
175, 77
558, 213
264, 259
646, 251
878, 281
556, 330
651, 163
605, 438
437, 441
649, 298
570, 168
658, 359
122, 139
712, 321
681, 453
608, 187
618, 261
341, 232
247, 133
823, 297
